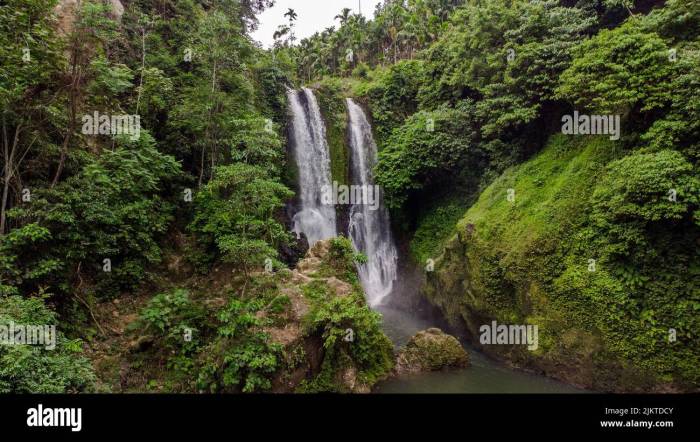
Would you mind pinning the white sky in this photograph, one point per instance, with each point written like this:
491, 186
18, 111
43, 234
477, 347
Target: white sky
313, 16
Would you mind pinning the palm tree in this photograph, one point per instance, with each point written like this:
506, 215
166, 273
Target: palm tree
395, 17
291, 14
281, 31
344, 16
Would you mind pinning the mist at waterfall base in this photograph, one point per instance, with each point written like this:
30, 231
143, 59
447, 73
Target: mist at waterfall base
310, 150
406, 311
369, 227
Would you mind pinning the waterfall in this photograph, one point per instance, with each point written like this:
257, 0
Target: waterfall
369, 229
308, 143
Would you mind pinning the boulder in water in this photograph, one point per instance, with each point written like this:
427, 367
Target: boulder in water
431, 350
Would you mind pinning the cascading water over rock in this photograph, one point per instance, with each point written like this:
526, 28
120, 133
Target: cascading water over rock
310, 149
369, 229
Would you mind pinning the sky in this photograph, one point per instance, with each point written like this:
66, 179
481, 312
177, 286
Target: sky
313, 16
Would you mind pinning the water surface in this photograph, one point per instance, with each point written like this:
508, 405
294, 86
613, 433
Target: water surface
484, 376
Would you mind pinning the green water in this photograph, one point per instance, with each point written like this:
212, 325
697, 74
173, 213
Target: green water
484, 375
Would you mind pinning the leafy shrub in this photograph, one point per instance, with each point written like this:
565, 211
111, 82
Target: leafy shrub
342, 258
640, 191
352, 337
218, 353
236, 212
34, 368
430, 150
82, 221
178, 324
392, 96
241, 357
361, 71
679, 127
628, 67
18, 263
678, 21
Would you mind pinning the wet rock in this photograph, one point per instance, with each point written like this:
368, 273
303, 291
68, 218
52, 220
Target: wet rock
294, 252
431, 350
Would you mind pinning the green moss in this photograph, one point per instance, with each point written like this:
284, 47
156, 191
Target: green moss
353, 339
431, 350
549, 193
435, 228
526, 261
331, 99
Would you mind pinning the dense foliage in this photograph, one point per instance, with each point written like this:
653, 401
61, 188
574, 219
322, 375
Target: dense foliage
36, 368
513, 69
399, 29
84, 216
466, 101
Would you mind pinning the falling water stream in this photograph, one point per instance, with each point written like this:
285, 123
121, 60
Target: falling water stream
310, 149
369, 229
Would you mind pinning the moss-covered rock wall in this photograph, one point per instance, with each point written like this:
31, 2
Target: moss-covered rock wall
538, 259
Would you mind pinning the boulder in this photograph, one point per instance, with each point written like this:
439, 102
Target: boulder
320, 250
309, 266
431, 350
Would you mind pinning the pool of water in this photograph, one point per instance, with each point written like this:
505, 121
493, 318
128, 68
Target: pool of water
483, 376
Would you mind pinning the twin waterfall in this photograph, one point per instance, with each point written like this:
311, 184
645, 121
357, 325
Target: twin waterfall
369, 227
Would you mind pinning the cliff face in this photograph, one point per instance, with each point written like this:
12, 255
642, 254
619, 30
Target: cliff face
462, 287
331, 100
66, 11
529, 261
330, 339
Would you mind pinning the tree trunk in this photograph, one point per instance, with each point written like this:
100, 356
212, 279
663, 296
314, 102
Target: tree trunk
9, 157
75, 80
143, 66
207, 133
